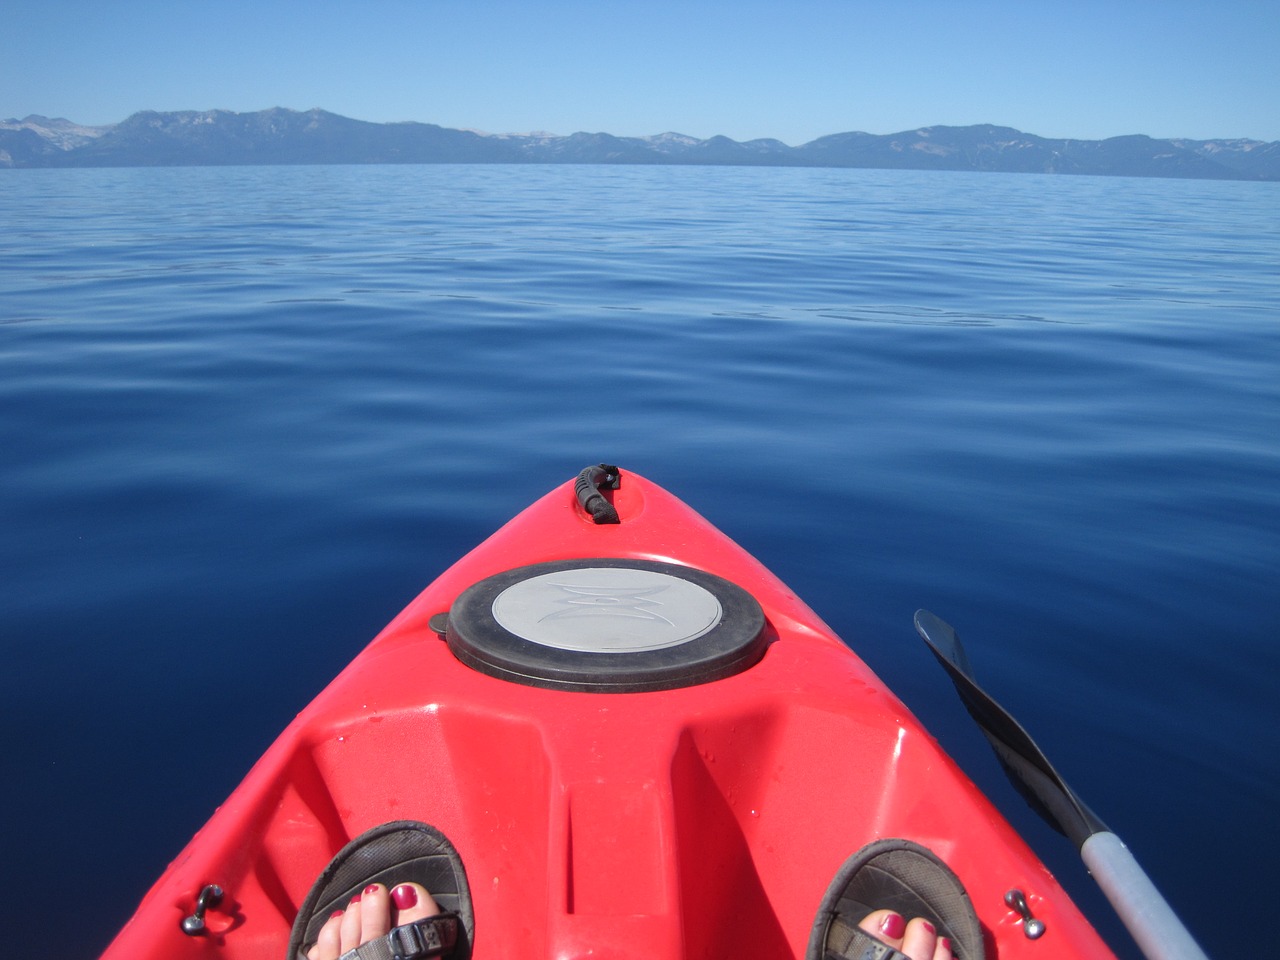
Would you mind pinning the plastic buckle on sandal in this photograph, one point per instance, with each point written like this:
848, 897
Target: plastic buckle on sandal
412, 941
429, 937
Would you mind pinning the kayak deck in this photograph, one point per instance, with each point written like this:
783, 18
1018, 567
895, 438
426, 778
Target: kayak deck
705, 820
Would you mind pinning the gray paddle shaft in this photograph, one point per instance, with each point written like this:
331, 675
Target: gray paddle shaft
1154, 926
1151, 921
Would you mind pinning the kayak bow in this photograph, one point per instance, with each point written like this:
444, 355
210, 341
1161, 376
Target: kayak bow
641, 743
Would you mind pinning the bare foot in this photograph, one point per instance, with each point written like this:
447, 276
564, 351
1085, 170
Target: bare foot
917, 939
369, 916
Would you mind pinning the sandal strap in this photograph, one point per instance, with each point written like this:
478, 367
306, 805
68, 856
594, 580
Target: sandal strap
429, 937
847, 942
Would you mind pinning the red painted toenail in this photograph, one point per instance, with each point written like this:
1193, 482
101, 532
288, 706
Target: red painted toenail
929, 927
893, 926
405, 896
335, 915
356, 898
371, 888
946, 944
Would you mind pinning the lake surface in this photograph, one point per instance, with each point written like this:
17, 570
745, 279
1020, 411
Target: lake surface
247, 413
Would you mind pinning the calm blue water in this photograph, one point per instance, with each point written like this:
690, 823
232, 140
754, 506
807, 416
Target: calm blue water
246, 414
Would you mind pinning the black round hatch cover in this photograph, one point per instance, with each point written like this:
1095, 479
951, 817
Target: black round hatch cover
606, 625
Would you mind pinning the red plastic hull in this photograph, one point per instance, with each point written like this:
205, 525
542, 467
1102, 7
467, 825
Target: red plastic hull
705, 821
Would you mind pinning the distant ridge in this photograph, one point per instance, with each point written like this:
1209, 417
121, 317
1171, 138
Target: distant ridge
281, 136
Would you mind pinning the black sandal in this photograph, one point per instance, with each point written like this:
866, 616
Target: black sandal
403, 851
901, 876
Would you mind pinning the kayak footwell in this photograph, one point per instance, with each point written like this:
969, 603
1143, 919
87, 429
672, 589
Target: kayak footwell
706, 820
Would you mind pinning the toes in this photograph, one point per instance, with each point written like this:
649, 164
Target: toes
917, 939
412, 903
375, 913
371, 914
349, 926
920, 942
885, 925
328, 944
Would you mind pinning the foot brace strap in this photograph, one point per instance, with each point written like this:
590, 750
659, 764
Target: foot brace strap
429, 937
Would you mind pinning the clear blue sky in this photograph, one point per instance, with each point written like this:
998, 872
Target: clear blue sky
791, 69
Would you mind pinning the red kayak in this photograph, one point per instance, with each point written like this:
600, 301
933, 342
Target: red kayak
639, 741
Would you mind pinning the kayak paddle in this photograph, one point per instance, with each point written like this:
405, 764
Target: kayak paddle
1149, 918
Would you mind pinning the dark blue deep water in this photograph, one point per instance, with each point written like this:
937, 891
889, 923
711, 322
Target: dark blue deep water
246, 414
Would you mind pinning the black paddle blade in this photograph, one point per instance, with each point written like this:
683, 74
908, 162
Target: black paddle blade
1023, 761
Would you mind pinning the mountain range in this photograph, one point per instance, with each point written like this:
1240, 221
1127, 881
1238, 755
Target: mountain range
281, 136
